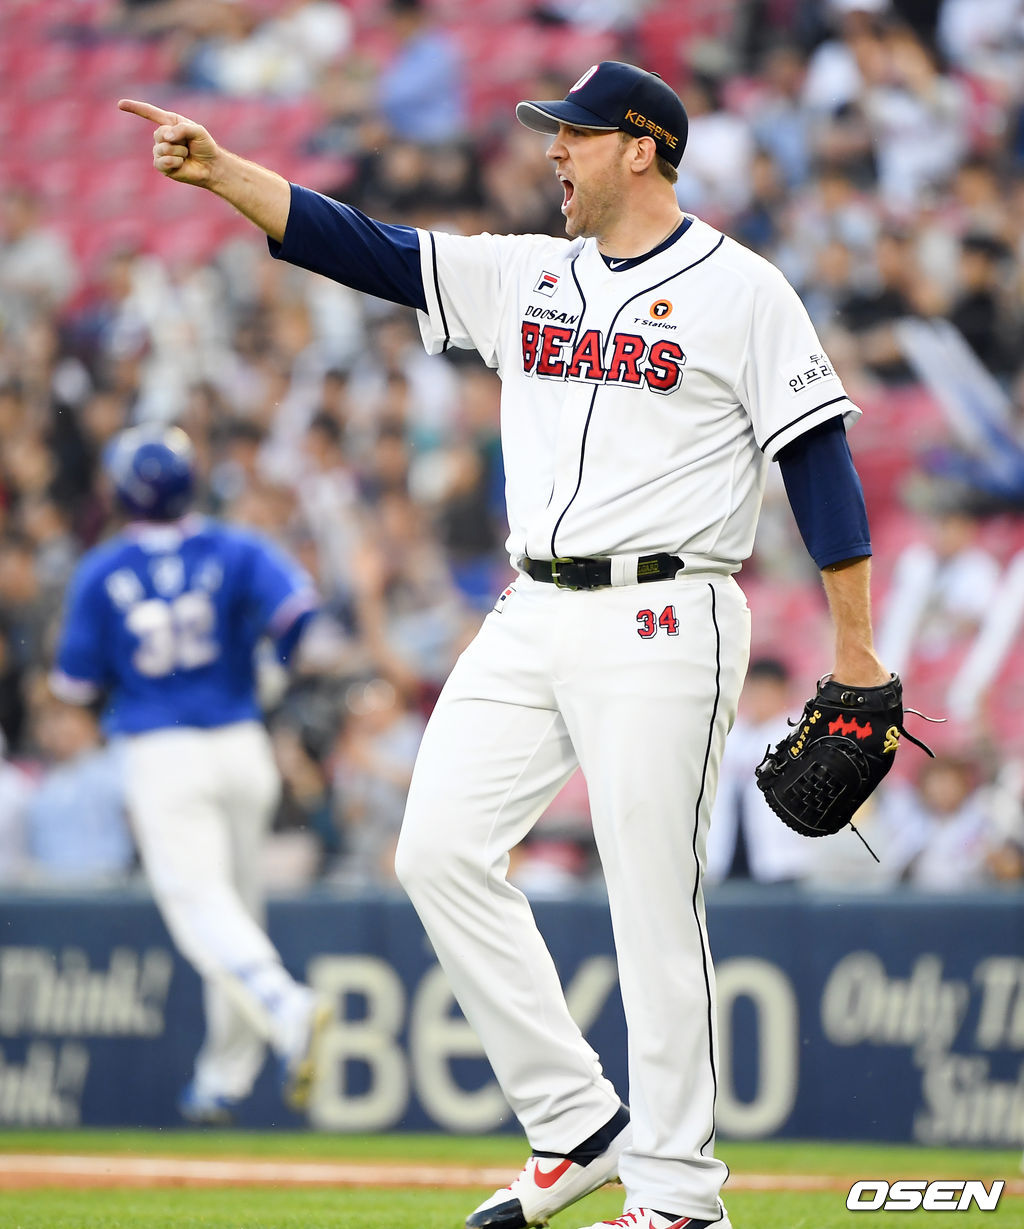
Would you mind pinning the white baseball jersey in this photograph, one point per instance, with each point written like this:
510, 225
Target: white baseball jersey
640, 408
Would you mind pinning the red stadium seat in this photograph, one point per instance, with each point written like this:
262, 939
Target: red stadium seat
291, 123
58, 182
569, 51
111, 70
42, 70
94, 241
486, 13
192, 240
1005, 704
664, 33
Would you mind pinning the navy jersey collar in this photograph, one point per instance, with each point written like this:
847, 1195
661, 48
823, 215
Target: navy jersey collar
630, 262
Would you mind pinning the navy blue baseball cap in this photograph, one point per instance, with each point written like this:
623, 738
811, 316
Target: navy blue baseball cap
616, 97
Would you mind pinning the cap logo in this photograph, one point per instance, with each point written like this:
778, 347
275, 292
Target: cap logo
585, 78
648, 125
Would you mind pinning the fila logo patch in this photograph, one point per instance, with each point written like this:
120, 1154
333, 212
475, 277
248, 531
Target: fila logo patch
547, 283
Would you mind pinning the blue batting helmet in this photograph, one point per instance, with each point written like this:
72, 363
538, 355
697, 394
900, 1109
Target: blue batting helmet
153, 471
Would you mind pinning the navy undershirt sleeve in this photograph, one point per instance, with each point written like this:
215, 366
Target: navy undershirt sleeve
826, 495
345, 245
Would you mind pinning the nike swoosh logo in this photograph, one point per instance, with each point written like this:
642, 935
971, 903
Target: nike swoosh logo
544, 1180
614, 264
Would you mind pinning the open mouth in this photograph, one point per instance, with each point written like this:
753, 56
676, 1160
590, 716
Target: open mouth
568, 190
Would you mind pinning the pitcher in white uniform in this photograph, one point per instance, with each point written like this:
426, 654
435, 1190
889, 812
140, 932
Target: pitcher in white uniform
652, 370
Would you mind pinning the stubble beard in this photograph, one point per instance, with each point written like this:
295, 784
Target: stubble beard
597, 207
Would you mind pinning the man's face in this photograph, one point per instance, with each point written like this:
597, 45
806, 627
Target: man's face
591, 167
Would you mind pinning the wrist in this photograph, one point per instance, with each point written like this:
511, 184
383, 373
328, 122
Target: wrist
859, 668
219, 174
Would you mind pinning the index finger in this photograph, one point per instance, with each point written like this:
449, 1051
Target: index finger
147, 110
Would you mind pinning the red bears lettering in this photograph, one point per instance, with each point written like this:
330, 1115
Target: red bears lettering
665, 366
633, 361
587, 354
625, 365
554, 339
531, 335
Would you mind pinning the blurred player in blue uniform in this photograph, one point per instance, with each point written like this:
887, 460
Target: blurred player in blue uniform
162, 622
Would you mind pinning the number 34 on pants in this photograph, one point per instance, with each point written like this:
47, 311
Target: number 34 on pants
651, 623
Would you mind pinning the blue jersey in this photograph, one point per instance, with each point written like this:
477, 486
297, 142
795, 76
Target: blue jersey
165, 620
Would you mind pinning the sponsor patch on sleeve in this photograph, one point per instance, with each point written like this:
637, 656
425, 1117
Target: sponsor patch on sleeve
809, 371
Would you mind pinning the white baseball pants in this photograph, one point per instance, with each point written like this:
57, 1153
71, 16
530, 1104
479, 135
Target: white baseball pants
200, 803
556, 678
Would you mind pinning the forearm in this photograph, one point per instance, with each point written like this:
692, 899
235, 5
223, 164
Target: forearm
328, 238
258, 193
848, 589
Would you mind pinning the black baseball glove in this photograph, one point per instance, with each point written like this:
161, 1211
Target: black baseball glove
842, 746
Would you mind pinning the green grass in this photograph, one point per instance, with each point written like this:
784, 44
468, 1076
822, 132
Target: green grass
375, 1209
369, 1208
234, 1209
297, 1145
773, 1156
870, 1160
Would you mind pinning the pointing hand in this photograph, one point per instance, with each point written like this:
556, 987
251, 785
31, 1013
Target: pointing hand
182, 149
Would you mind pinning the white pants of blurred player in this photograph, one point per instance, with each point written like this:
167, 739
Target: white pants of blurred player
201, 802
639, 686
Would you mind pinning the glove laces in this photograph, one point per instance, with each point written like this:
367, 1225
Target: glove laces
916, 741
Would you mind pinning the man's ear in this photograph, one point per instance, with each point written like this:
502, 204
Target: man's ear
644, 154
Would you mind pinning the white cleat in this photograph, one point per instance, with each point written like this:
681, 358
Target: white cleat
548, 1184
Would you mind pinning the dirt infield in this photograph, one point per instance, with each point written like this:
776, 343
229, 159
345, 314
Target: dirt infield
27, 1170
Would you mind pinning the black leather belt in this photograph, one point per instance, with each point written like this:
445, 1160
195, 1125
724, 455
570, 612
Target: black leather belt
597, 573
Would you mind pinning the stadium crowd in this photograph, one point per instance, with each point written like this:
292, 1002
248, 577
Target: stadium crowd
873, 149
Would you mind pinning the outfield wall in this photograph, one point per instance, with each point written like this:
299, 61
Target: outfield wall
890, 1018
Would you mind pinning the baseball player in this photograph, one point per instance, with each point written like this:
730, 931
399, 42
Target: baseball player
163, 620
652, 370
